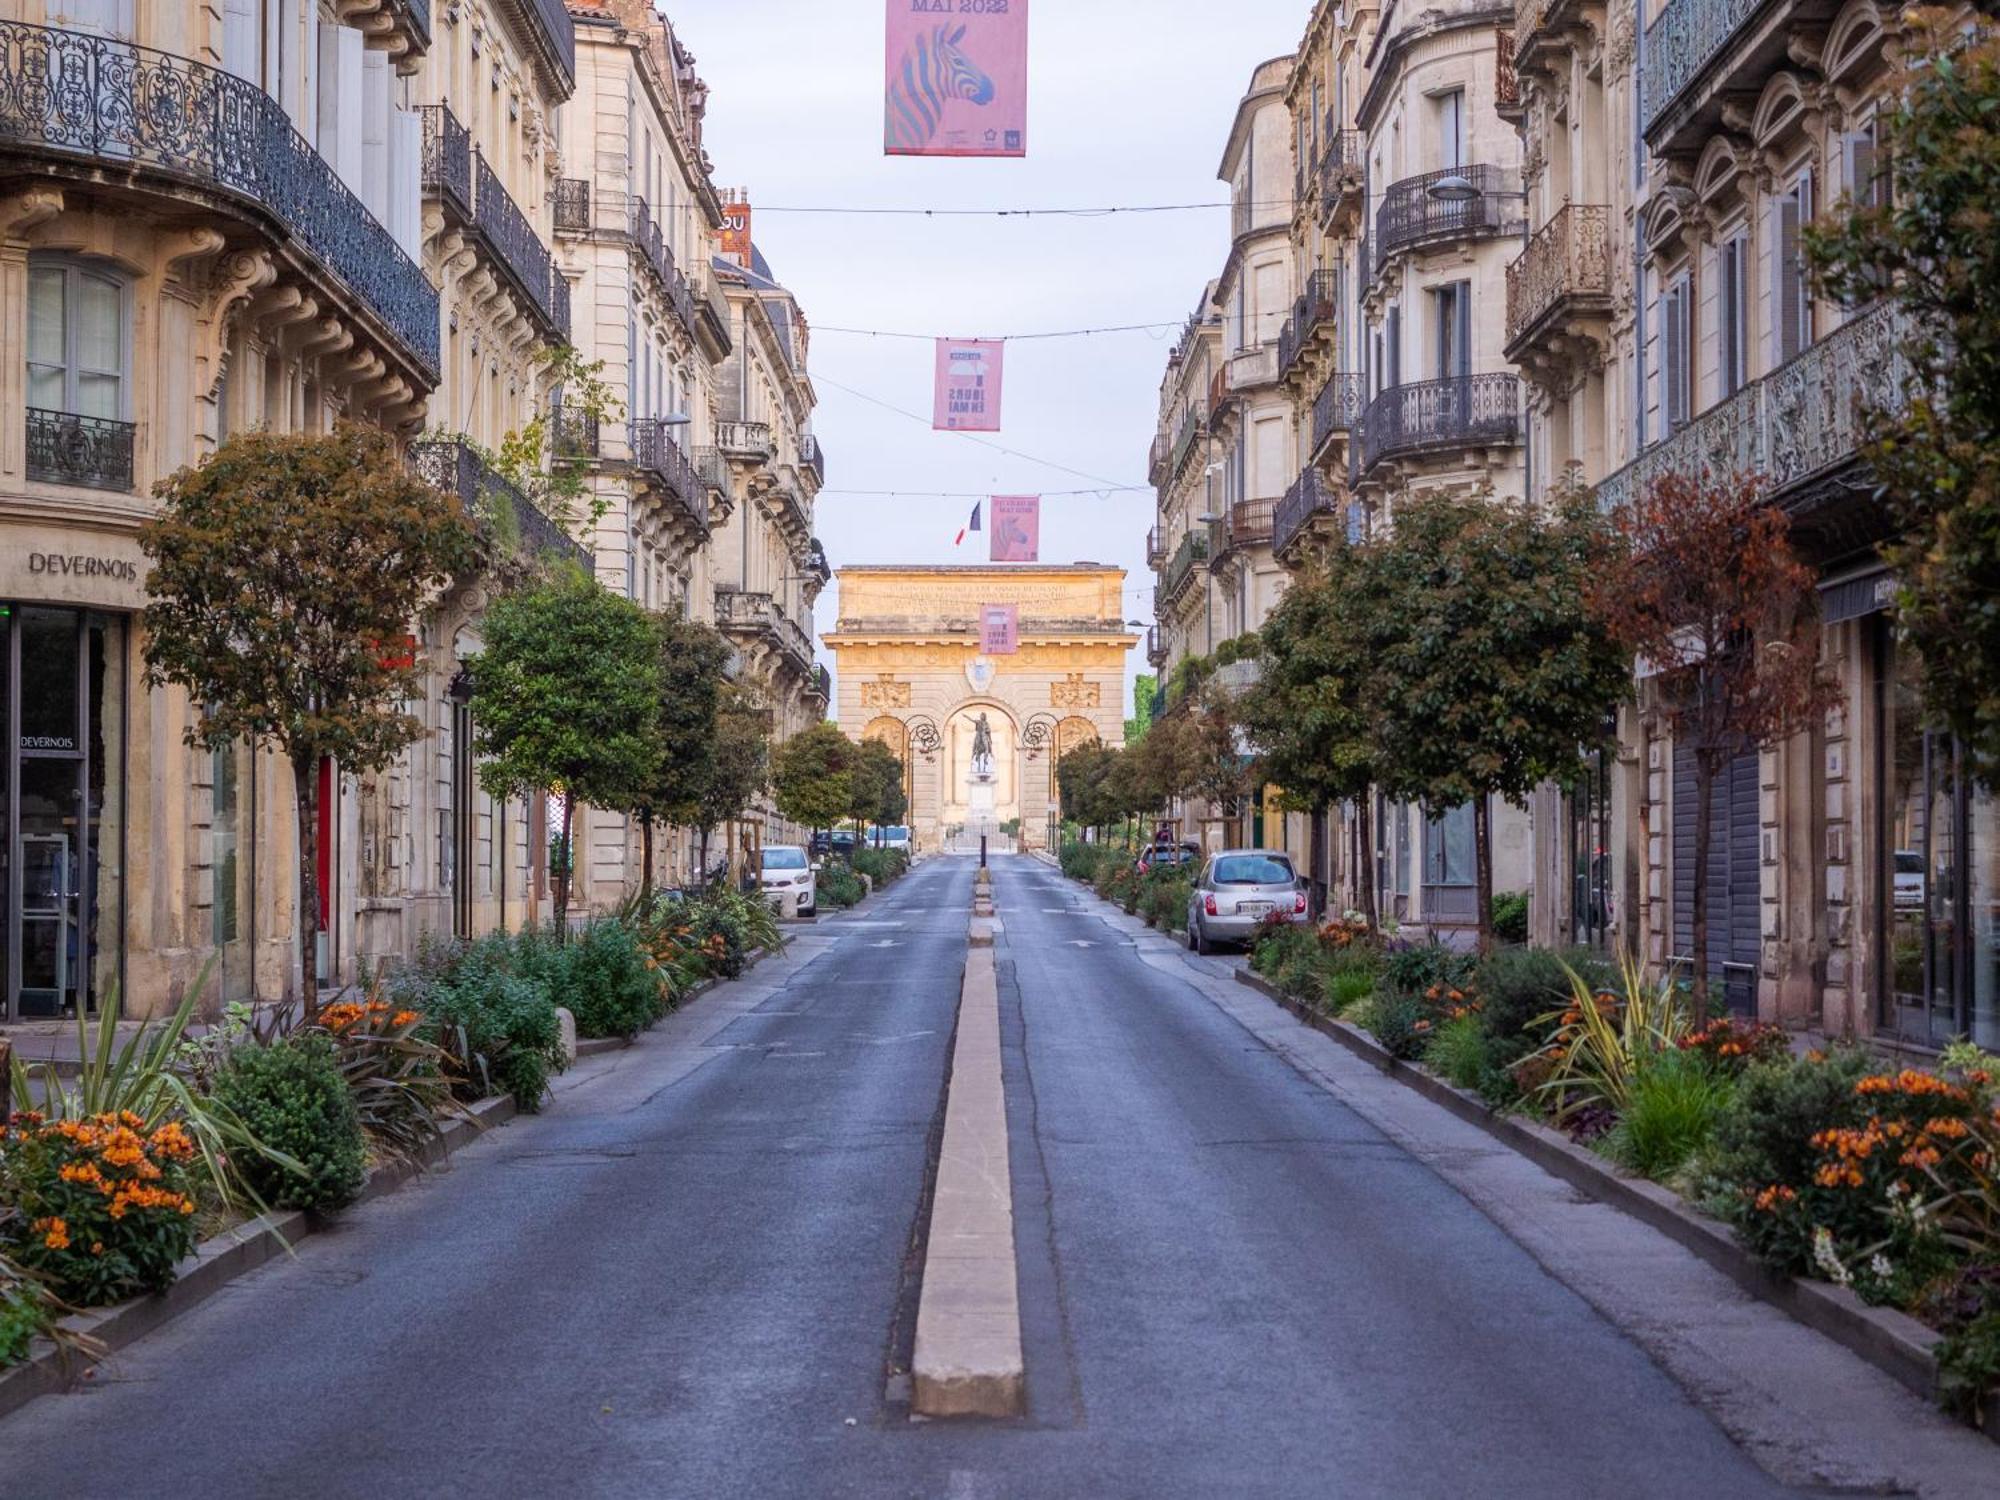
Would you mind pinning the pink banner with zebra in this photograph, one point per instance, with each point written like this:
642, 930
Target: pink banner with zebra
1017, 528
999, 629
967, 393
957, 78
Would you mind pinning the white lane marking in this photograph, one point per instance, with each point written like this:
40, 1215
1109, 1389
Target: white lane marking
886, 943
1081, 943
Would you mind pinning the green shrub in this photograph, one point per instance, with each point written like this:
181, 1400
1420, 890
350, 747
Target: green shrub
498, 1024
1676, 1100
881, 865
1423, 967
1518, 986
1347, 988
1510, 916
1400, 1023
1457, 1052
1163, 899
837, 886
293, 1098
601, 976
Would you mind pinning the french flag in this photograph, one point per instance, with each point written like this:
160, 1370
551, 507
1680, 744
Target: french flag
970, 525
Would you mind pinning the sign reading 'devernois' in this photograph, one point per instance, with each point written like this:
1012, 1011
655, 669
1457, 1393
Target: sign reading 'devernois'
957, 78
1017, 528
999, 629
967, 394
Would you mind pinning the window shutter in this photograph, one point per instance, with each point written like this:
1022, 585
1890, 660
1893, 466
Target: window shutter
1674, 366
239, 39
1861, 168
1790, 290
1462, 346
1394, 370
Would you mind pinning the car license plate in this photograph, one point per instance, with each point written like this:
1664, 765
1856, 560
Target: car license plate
1253, 908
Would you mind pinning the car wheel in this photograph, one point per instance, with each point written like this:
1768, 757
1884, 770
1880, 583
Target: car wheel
1196, 941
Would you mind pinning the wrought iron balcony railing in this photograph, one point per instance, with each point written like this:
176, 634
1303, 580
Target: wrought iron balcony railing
745, 439
659, 256
1566, 263
661, 459
1309, 496
1193, 549
572, 205
1410, 216
573, 433
821, 685
792, 638
812, 459
1337, 408
1802, 420
1156, 550
1681, 42
556, 32
1246, 523
816, 563
1339, 170
1186, 431
457, 467
1465, 411
447, 160
67, 94
519, 249
1312, 312
66, 448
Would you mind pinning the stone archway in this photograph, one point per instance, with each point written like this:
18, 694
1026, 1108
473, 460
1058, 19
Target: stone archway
889, 730
955, 758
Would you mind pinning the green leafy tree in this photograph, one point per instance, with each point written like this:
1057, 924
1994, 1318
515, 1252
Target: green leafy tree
1495, 671
257, 609
1928, 241
693, 657
1310, 717
1144, 686
813, 776
1080, 785
738, 769
875, 780
1705, 588
567, 699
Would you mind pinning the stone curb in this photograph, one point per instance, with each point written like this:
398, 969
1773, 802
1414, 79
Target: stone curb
1893, 1342
231, 1254
967, 1360
221, 1260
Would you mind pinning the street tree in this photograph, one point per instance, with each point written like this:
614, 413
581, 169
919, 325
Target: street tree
693, 658
876, 786
1929, 245
257, 611
1310, 717
1706, 589
566, 699
1080, 784
813, 776
737, 770
1495, 673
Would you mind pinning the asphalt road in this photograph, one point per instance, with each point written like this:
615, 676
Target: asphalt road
689, 1277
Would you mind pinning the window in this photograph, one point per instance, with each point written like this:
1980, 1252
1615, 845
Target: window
1676, 386
1449, 856
1451, 316
76, 340
1253, 869
1791, 291
1733, 315
1449, 109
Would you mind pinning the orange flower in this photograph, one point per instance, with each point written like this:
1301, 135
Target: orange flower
54, 1233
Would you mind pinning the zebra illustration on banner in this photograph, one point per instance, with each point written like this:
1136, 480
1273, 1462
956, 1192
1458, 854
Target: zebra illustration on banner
955, 88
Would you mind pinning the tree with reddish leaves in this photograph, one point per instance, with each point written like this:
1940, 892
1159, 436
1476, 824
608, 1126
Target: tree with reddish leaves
1709, 595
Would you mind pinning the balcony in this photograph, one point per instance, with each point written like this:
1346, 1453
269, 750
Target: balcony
659, 258
519, 251
812, 459
65, 448
817, 567
1185, 433
1312, 313
1310, 496
1249, 368
447, 161
1156, 649
1429, 416
1193, 549
820, 686
713, 467
1156, 458
1561, 279
1799, 424
552, 35
1506, 82
135, 111
743, 612
1336, 409
1410, 217
1156, 550
751, 440
666, 469
1733, 46
1246, 523
1340, 175
455, 466
573, 433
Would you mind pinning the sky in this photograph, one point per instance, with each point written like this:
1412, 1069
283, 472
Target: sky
1129, 102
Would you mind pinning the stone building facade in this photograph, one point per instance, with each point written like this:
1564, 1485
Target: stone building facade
366, 228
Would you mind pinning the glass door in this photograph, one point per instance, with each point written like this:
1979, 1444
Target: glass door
48, 957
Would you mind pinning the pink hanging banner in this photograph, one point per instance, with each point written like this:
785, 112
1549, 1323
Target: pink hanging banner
1017, 528
967, 394
999, 629
957, 78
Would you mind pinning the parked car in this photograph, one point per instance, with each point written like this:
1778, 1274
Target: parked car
1237, 889
1164, 856
890, 837
1909, 888
788, 880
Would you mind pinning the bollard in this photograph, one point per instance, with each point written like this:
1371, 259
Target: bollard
982, 851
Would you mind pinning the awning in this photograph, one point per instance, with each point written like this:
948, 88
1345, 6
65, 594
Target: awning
1853, 598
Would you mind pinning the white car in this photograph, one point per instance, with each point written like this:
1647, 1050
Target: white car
896, 836
789, 883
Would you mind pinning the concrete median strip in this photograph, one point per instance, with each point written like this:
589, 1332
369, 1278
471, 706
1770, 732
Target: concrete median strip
968, 1359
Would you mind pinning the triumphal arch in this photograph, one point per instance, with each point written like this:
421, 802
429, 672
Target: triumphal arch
910, 672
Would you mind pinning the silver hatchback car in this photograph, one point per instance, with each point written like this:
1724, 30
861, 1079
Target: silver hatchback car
1237, 889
